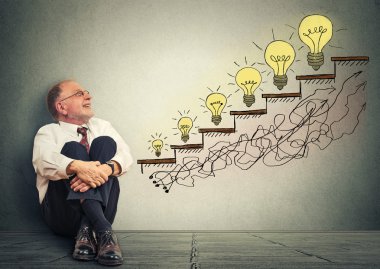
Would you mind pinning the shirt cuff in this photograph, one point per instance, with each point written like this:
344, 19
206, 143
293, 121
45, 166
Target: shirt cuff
65, 163
124, 168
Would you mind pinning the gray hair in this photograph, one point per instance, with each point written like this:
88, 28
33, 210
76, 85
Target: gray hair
51, 98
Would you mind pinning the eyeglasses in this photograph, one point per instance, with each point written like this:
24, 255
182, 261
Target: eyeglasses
79, 93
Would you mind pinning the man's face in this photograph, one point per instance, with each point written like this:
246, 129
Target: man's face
75, 108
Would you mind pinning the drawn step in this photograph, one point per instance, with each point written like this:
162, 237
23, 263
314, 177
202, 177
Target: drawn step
282, 95
249, 112
189, 146
217, 130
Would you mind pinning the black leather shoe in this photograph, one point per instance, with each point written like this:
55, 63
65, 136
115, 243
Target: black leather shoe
109, 252
85, 246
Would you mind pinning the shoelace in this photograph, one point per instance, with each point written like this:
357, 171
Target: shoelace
84, 233
106, 238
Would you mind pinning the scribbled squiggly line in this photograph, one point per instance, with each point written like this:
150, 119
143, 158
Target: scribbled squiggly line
322, 117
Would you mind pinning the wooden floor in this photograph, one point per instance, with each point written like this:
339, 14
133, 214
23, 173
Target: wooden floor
192, 250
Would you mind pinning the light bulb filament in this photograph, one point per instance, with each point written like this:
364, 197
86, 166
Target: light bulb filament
216, 106
158, 147
248, 85
185, 128
280, 61
315, 36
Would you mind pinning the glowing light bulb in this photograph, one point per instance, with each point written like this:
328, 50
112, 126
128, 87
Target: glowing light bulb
279, 55
184, 125
315, 31
215, 102
248, 79
157, 146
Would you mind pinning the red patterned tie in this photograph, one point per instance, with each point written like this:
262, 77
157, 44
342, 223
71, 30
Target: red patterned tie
84, 141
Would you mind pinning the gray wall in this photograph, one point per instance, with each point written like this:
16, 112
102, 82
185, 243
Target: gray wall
146, 60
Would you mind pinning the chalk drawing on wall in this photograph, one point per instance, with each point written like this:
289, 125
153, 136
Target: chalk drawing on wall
290, 126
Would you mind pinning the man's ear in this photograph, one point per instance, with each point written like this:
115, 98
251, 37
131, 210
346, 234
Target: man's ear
61, 108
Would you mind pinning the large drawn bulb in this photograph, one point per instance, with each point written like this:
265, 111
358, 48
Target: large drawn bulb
279, 55
315, 31
248, 79
216, 102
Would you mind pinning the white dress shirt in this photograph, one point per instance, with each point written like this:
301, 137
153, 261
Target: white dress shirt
50, 164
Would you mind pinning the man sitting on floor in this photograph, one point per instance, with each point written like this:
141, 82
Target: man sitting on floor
77, 161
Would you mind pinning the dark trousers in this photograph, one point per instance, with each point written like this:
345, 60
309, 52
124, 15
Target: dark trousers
61, 206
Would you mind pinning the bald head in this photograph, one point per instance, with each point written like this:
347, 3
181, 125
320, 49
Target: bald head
69, 102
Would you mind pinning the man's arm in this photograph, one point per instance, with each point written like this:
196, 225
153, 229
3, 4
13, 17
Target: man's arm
51, 164
79, 185
90, 173
122, 156
122, 159
47, 158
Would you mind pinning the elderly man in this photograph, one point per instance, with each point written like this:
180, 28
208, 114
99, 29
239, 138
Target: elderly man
77, 161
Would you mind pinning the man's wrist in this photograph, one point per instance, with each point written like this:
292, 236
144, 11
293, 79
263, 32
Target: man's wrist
117, 168
71, 168
111, 164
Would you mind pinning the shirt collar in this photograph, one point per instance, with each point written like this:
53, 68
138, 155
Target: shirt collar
72, 128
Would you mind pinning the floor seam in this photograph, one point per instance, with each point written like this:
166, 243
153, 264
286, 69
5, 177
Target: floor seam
294, 249
194, 253
57, 259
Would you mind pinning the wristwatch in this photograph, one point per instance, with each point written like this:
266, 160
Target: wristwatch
112, 165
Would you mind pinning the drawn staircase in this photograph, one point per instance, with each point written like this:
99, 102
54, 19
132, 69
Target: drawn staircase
303, 79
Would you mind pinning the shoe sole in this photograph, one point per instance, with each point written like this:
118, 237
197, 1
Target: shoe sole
84, 258
109, 262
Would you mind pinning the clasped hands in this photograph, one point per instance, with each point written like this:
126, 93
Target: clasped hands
88, 175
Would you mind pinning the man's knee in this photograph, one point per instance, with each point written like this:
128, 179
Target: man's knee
75, 150
102, 149
102, 141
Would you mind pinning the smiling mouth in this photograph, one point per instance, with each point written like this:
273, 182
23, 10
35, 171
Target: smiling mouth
87, 106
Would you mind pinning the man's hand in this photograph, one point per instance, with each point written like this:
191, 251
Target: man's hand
90, 173
77, 184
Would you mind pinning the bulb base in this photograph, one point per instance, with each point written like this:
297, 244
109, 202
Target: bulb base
248, 99
158, 153
185, 138
315, 60
216, 119
280, 81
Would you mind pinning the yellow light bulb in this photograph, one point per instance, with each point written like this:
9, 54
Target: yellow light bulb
157, 146
248, 79
315, 31
184, 125
279, 55
216, 102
